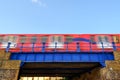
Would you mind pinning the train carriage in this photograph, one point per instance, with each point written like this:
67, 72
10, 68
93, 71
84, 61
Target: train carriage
59, 42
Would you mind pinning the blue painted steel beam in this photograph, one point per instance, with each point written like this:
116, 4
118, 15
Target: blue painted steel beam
64, 57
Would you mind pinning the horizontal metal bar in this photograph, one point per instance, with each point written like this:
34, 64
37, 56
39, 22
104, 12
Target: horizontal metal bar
62, 57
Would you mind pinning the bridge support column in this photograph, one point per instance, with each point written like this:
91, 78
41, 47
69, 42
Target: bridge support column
110, 72
9, 69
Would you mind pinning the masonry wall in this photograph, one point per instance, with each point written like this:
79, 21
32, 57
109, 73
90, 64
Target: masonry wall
9, 69
110, 72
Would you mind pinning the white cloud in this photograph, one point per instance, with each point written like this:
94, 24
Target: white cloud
39, 2
35, 1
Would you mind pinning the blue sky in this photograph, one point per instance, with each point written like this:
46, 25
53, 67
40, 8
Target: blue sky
60, 16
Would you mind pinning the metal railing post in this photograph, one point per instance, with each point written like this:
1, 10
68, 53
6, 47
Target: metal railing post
114, 46
33, 44
90, 46
66, 46
21, 47
55, 47
8, 47
102, 47
43, 47
78, 47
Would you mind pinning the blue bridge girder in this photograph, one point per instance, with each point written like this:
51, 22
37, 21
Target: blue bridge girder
63, 57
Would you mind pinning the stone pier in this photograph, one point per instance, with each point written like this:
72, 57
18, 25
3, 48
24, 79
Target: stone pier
110, 72
9, 69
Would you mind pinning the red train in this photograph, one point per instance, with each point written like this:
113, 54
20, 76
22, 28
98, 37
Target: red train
60, 42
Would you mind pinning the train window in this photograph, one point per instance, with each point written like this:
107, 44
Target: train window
10, 39
14, 39
92, 39
1, 39
106, 39
69, 39
23, 39
59, 38
116, 39
44, 39
105, 42
56, 39
7, 38
99, 39
52, 39
33, 39
103, 39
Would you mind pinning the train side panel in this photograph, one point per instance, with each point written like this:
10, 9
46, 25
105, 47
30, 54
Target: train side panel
60, 42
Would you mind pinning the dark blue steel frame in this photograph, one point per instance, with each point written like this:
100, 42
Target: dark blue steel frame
63, 57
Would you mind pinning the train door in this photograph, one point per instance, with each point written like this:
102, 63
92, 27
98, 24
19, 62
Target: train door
104, 41
9, 39
56, 41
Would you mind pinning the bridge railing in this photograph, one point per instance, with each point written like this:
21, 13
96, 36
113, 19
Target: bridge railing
65, 47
